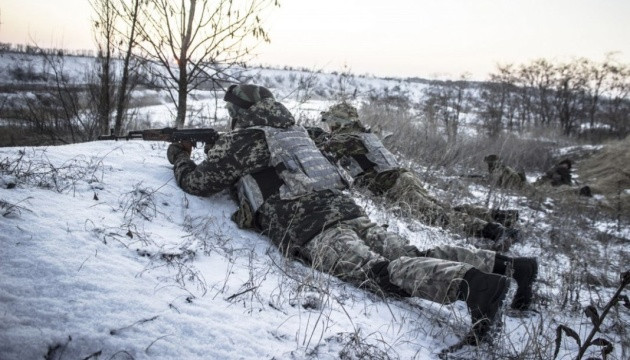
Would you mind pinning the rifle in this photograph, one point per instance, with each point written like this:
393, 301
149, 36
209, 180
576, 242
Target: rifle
206, 135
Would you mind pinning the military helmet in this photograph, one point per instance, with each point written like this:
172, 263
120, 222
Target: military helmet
492, 158
243, 96
566, 163
340, 114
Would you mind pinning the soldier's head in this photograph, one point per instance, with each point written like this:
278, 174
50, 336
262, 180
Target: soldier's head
492, 160
566, 163
241, 97
339, 115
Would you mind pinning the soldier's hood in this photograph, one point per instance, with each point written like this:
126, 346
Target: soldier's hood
266, 112
351, 127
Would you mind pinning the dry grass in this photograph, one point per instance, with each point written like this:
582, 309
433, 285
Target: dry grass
607, 172
425, 144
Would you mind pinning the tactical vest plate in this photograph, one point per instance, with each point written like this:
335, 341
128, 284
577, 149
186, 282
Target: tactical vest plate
299, 164
382, 158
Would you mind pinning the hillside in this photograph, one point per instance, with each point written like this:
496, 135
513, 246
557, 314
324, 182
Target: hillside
104, 257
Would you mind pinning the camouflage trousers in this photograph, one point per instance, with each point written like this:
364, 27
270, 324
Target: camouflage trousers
410, 195
350, 249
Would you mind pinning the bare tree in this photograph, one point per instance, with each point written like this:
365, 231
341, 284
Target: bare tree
569, 94
596, 76
539, 77
104, 33
494, 99
447, 101
129, 11
196, 41
616, 110
61, 112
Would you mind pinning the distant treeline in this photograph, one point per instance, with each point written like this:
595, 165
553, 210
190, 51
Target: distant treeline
578, 96
36, 50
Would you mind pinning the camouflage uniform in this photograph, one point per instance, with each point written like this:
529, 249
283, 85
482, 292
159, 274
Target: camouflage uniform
324, 227
346, 143
350, 248
558, 175
502, 175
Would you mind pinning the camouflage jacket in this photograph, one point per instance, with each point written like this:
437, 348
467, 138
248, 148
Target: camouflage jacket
289, 223
346, 142
556, 176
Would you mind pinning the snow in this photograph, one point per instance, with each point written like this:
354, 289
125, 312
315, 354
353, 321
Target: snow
102, 252
103, 256
584, 148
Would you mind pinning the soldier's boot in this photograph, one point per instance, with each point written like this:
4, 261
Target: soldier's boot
503, 237
506, 218
379, 273
524, 270
585, 191
484, 294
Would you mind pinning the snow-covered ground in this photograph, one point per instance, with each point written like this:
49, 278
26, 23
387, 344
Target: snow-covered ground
103, 253
102, 256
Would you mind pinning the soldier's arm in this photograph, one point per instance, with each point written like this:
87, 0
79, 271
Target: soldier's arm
233, 155
340, 145
317, 134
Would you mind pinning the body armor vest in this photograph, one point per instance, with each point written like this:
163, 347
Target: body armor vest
298, 163
380, 158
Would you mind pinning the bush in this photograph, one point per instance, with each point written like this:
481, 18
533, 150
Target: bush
417, 138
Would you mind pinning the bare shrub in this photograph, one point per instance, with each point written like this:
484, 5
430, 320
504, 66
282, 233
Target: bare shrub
33, 167
418, 139
139, 202
8, 209
59, 111
26, 72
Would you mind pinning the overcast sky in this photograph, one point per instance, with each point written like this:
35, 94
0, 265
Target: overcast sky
425, 38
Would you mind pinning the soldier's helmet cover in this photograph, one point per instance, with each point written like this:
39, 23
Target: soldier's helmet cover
242, 97
492, 158
566, 163
340, 114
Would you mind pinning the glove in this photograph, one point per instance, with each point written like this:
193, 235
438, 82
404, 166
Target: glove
176, 150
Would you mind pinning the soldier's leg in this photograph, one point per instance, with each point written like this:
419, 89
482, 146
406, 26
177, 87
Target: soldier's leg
387, 244
445, 281
474, 226
429, 278
503, 217
481, 259
463, 223
524, 270
413, 198
339, 251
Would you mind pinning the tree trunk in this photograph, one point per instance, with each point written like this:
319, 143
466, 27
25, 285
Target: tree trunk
182, 88
181, 107
104, 96
182, 92
122, 92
